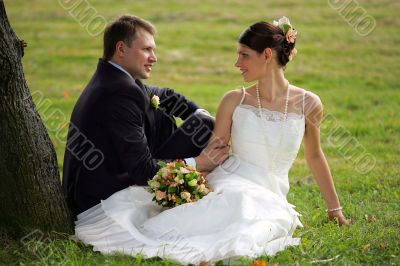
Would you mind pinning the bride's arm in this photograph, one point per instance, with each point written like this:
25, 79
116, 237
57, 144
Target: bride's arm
217, 150
316, 159
223, 120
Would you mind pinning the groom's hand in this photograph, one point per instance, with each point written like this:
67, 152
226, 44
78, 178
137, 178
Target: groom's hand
213, 155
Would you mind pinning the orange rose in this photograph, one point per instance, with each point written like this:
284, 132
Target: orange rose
291, 35
258, 263
160, 195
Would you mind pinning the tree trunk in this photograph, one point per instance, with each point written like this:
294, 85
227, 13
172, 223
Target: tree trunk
30, 189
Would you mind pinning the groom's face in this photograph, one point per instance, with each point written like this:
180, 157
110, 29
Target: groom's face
140, 57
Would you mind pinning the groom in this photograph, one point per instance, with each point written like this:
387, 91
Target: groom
120, 128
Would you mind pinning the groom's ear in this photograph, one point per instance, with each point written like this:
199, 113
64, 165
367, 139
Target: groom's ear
119, 48
268, 54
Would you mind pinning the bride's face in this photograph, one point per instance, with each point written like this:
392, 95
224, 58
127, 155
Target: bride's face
251, 64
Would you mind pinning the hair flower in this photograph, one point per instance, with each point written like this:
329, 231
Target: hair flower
287, 28
293, 53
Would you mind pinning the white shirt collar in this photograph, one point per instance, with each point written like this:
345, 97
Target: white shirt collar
121, 68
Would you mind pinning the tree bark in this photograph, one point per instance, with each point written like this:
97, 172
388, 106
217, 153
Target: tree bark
30, 189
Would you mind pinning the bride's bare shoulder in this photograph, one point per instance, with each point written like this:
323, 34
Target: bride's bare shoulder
232, 97
312, 102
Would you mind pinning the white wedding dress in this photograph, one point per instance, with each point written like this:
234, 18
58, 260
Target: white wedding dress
247, 214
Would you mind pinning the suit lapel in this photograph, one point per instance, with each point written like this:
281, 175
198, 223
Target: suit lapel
150, 116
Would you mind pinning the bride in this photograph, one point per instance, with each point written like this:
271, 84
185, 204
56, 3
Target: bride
247, 214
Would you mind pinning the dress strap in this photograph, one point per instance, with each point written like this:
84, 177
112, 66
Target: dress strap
304, 95
244, 94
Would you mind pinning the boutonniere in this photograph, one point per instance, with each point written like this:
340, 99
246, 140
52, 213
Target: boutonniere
154, 101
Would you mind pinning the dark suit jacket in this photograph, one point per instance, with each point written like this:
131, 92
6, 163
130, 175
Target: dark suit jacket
113, 135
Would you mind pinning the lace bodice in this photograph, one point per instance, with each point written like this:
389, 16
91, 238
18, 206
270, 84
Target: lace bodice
270, 115
269, 143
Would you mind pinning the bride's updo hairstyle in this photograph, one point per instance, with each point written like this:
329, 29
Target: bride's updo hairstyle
278, 36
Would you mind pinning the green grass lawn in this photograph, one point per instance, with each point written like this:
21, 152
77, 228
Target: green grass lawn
357, 78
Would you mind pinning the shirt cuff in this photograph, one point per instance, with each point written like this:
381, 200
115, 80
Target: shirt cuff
191, 161
200, 111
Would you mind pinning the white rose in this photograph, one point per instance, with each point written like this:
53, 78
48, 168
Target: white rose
283, 21
155, 184
178, 180
205, 191
155, 101
192, 182
201, 188
164, 172
185, 195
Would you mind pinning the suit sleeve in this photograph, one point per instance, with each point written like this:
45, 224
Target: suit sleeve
173, 103
124, 123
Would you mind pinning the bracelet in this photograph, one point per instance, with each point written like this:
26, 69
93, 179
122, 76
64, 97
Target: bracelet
333, 210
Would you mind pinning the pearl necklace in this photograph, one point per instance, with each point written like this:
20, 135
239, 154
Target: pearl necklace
273, 165
286, 103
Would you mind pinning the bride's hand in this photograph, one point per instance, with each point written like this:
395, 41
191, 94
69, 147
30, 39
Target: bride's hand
205, 173
338, 215
216, 152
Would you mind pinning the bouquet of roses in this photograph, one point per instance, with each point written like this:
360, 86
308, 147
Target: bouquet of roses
177, 183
